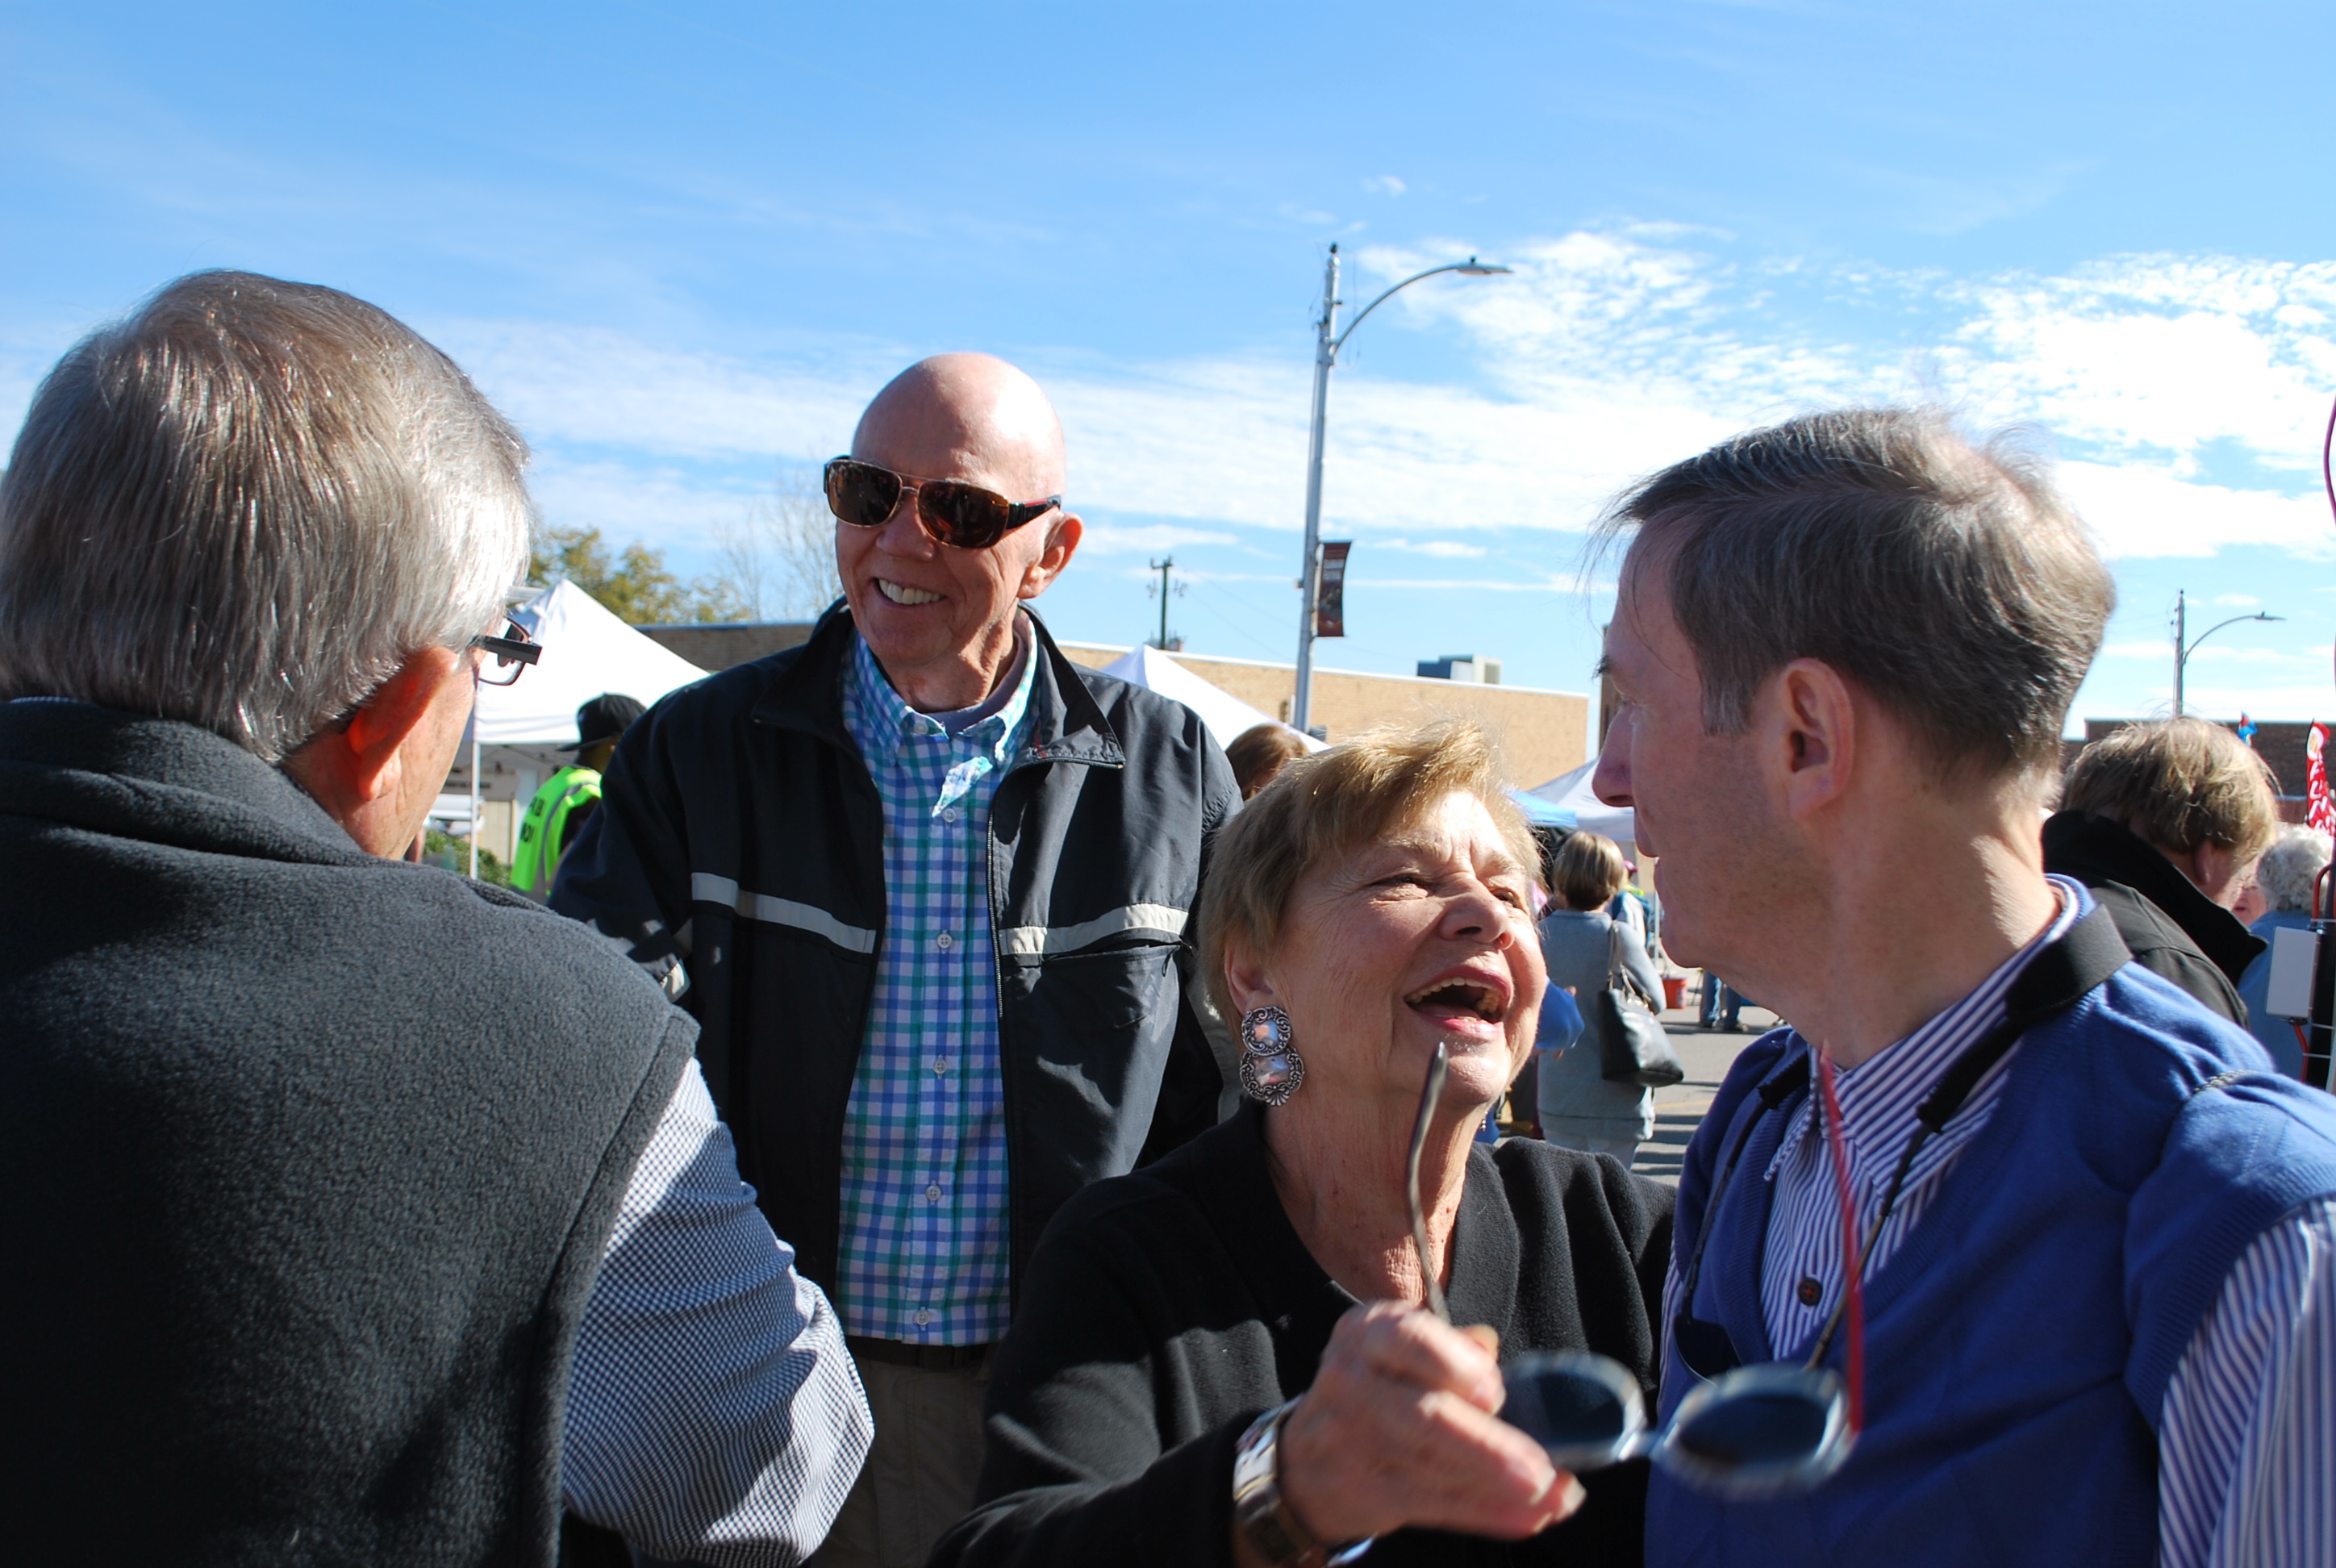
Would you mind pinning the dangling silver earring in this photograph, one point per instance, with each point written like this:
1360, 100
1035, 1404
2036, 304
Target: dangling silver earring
1271, 1068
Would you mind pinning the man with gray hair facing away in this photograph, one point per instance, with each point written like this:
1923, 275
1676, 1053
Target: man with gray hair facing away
2094, 1234
924, 883
358, 1214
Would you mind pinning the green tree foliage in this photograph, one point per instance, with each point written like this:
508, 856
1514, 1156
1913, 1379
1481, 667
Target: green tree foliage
636, 584
454, 854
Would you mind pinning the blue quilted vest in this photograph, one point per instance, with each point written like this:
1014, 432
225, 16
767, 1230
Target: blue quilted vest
2020, 1342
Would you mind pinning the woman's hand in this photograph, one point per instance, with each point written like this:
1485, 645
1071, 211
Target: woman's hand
1399, 1430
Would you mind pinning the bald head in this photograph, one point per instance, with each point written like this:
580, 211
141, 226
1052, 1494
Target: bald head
954, 414
941, 619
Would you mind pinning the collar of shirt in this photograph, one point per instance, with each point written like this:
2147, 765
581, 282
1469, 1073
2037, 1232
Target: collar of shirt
1880, 1095
883, 722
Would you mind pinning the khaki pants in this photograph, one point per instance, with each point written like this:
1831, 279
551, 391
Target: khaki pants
920, 1472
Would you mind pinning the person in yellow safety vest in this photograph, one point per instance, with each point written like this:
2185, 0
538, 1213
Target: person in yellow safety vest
571, 794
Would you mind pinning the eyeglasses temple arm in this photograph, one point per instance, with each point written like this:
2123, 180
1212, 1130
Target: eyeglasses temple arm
1429, 1094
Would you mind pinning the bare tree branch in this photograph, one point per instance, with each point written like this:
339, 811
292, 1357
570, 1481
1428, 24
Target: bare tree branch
779, 559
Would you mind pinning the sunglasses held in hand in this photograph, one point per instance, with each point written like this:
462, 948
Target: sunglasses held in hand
1748, 1432
949, 510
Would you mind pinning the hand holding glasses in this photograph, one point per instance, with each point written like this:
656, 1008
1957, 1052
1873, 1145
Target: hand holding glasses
1748, 1432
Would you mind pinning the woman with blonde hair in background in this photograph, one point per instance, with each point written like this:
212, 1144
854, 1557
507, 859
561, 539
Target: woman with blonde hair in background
1580, 945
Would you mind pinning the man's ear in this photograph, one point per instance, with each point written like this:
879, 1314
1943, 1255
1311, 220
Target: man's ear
1062, 543
1812, 739
345, 768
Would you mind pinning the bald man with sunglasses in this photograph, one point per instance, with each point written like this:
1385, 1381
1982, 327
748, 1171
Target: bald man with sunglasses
923, 881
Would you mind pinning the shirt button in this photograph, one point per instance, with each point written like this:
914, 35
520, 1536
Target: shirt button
921, 1316
1809, 1292
942, 942
941, 1065
933, 1194
949, 815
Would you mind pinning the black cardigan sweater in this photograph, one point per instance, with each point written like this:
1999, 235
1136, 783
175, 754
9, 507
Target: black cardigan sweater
1165, 1308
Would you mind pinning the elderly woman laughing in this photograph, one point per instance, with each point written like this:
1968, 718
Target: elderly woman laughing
1245, 1315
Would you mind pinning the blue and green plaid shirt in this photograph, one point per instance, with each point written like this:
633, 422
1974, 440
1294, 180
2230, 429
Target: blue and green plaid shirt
924, 1255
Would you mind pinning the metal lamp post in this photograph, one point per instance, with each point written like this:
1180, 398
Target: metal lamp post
2182, 651
1328, 341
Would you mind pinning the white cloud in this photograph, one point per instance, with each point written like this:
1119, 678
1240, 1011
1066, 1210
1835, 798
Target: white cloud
2146, 508
663, 505
2219, 653
1449, 548
1122, 539
1385, 185
2163, 379
594, 386
2184, 392
2238, 601
1564, 585
2158, 354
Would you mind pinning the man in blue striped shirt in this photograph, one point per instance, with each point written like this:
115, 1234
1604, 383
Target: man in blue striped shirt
2099, 1282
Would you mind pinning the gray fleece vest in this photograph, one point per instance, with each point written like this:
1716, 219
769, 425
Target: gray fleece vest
310, 1159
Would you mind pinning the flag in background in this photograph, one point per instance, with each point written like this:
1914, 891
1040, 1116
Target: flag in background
2322, 816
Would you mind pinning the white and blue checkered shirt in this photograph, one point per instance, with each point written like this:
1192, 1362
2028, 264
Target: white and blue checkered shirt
924, 1234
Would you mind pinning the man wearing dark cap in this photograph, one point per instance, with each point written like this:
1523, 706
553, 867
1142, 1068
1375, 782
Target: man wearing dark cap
559, 811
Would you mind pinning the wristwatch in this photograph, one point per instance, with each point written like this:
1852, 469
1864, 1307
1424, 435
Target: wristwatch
1259, 1511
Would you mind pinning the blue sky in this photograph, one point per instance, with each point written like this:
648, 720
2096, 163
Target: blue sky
682, 243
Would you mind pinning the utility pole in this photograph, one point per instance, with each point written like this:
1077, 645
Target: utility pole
2181, 644
1328, 341
1309, 584
1163, 567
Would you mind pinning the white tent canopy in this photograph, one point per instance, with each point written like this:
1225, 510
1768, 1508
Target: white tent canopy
587, 651
1572, 791
1225, 715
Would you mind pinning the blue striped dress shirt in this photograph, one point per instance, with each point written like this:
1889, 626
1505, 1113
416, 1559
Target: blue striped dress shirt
924, 1245
2247, 1436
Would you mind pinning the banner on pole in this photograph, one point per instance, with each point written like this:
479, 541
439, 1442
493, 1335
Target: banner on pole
1330, 599
2320, 813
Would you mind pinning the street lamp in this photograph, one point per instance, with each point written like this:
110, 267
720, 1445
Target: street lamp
2182, 651
1328, 341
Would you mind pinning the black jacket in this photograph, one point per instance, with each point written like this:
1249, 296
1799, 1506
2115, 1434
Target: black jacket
2170, 926
738, 855
311, 1161
1167, 1309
